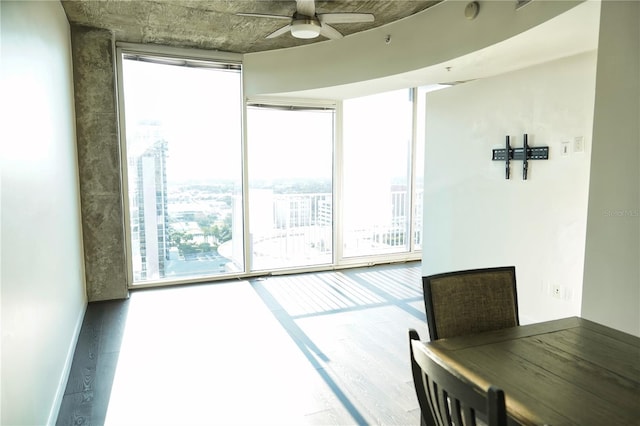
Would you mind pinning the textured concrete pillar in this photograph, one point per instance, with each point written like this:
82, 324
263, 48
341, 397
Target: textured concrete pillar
99, 163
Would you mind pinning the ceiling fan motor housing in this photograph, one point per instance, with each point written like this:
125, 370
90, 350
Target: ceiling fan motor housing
305, 26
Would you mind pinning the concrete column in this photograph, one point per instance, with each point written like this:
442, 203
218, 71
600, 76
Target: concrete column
99, 163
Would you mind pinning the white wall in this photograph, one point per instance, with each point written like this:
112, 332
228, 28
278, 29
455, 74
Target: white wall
43, 294
474, 217
612, 265
438, 34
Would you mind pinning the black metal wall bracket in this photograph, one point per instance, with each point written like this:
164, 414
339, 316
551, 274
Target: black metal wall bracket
532, 153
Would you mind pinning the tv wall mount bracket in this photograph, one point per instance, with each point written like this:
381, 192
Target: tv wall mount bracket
523, 154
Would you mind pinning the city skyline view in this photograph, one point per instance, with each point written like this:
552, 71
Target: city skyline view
184, 144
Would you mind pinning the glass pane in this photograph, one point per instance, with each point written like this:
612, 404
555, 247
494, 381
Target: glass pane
184, 167
376, 145
418, 189
290, 157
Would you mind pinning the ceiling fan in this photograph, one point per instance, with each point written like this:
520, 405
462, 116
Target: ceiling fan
306, 23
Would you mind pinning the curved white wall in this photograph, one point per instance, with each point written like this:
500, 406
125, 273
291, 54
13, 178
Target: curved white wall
43, 294
431, 37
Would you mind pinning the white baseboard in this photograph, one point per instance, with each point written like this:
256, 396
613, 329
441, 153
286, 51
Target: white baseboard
64, 378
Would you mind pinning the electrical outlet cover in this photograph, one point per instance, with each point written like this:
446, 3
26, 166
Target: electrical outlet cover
556, 291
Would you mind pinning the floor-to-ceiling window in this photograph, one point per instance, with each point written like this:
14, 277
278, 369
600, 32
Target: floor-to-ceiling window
377, 146
183, 139
219, 187
290, 170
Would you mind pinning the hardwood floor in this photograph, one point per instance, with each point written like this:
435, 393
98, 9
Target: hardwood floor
327, 348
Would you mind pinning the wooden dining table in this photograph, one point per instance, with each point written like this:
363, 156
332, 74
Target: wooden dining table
570, 371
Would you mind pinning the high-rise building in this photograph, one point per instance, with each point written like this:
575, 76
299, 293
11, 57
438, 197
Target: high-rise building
148, 204
292, 211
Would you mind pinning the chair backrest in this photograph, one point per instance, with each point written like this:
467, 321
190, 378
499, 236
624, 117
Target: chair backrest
446, 399
471, 301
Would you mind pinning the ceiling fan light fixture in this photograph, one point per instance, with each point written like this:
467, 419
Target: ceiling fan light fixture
305, 28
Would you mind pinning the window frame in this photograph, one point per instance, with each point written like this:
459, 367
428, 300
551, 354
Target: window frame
167, 55
287, 104
196, 57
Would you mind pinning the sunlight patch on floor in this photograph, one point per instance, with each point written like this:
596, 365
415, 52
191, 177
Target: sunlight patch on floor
229, 369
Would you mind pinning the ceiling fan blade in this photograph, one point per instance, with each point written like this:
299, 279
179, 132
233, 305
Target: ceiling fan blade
330, 32
279, 31
345, 18
263, 15
306, 7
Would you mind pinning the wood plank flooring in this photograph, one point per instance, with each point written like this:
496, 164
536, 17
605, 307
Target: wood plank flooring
328, 348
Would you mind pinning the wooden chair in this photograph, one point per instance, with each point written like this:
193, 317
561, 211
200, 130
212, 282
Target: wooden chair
471, 301
446, 399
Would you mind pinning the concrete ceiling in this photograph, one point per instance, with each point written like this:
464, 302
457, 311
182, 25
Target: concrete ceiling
213, 24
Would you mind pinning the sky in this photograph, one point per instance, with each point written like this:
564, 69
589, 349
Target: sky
200, 116
200, 111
